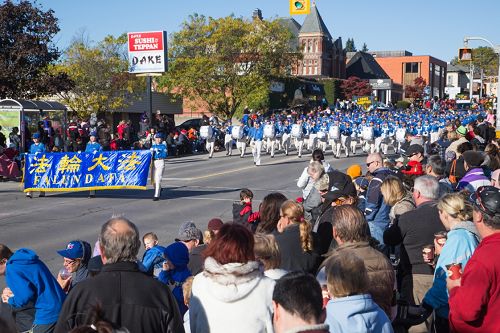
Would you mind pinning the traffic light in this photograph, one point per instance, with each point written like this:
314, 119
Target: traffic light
465, 54
299, 7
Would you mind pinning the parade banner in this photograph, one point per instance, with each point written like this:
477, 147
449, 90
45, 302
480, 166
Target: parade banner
107, 170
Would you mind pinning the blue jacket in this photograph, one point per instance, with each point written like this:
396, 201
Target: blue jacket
153, 258
37, 148
459, 247
358, 313
258, 134
376, 210
31, 281
92, 146
160, 151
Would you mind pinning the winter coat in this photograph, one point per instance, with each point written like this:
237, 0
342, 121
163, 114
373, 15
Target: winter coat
128, 297
235, 297
358, 313
312, 201
454, 145
404, 205
473, 179
462, 240
31, 281
293, 258
153, 258
380, 273
376, 210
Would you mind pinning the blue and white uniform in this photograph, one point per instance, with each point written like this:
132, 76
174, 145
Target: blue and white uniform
159, 154
257, 134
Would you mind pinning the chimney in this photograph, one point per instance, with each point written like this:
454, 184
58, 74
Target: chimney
257, 14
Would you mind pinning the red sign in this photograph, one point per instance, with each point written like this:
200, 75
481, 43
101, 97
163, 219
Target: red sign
145, 41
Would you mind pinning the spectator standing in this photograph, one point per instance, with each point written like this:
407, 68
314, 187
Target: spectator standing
232, 294
294, 239
267, 252
145, 305
413, 231
351, 308
461, 133
436, 167
474, 178
462, 239
475, 297
30, 281
14, 138
298, 305
376, 211
269, 212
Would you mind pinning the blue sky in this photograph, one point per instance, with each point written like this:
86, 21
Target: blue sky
424, 27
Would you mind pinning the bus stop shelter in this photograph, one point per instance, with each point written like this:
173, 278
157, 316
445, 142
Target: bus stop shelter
25, 115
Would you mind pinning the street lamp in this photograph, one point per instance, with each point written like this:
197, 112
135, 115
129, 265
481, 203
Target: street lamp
496, 49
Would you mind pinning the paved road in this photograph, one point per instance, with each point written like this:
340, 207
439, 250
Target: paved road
197, 189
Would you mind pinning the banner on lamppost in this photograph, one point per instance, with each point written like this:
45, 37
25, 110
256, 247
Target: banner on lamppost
147, 52
55, 172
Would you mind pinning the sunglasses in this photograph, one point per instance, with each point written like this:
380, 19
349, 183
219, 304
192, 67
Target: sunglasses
368, 164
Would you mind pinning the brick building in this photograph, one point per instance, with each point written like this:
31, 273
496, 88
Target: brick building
405, 68
322, 56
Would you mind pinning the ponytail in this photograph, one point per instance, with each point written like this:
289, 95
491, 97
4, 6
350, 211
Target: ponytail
305, 235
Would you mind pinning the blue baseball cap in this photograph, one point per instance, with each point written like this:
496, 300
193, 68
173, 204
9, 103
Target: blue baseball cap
74, 250
159, 135
36, 135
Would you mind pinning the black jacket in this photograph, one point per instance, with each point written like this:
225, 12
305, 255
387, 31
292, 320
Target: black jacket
292, 256
128, 297
414, 230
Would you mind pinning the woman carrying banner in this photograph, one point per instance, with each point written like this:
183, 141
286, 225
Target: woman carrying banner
92, 147
36, 148
159, 150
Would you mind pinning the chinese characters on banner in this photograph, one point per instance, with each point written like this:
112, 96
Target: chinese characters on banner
87, 171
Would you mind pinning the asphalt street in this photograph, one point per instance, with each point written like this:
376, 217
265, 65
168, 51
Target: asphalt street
196, 189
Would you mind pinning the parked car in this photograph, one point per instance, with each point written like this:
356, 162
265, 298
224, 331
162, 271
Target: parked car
194, 123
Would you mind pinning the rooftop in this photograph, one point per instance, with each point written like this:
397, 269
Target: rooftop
313, 23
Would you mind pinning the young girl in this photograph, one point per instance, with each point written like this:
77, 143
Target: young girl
351, 308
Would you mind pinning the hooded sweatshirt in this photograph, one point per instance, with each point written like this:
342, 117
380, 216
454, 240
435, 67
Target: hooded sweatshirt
235, 297
357, 313
461, 243
178, 255
31, 281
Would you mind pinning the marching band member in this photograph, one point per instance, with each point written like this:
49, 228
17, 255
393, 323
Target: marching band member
270, 136
285, 138
228, 139
257, 136
322, 136
356, 132
385, 131
207, 132
345, 137
159, 150
241, 142
334, 137
298, 131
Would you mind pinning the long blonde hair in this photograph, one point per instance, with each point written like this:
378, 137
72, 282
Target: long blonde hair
295, 212
392, 190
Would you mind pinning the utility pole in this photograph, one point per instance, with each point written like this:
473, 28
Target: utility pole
496, 49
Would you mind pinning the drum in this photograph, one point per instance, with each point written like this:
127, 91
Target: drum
334, 133
321, 135
237, 132
368, 133
269, 131
400, 134
206, 132
296, 131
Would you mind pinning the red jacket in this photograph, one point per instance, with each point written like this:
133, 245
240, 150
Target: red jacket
475, 306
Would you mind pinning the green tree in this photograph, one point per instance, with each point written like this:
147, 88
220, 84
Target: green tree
227, 62
365, 48
100, 74
350, 46
484, 58
26, 51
